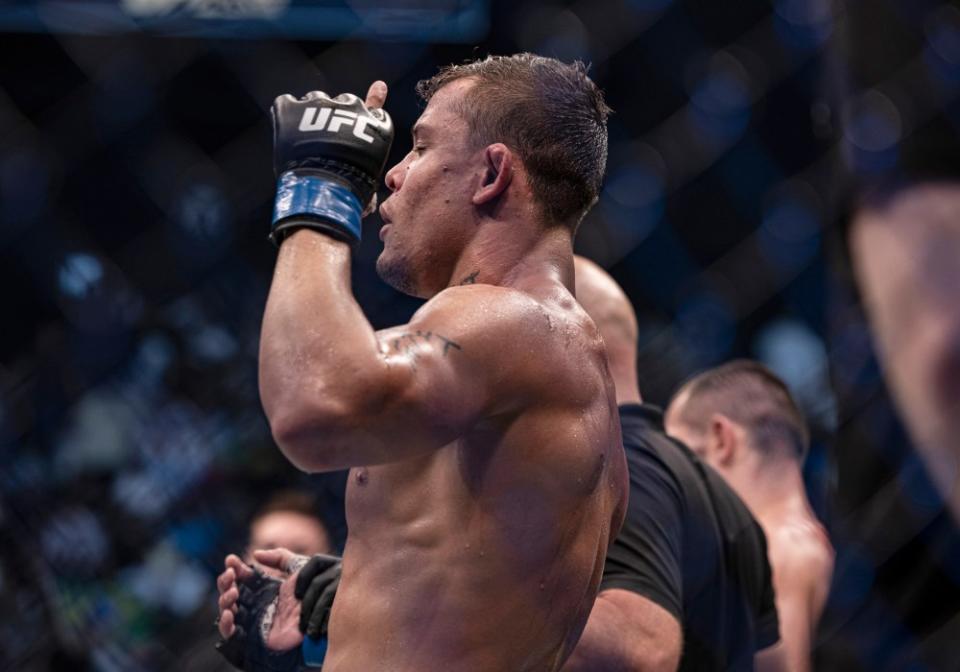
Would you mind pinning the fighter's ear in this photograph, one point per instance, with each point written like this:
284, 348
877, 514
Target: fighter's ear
497, 173
722, 439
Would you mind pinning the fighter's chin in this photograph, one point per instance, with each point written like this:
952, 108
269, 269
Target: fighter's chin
397, 273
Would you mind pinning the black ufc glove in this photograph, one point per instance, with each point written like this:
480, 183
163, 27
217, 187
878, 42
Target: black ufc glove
328, 154
316, 587
245, 649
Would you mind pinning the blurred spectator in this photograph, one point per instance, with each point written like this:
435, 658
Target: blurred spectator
906, 255
289, 520
897, 86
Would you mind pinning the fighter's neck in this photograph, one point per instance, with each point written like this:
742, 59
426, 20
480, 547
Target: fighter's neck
776, 492
514, 255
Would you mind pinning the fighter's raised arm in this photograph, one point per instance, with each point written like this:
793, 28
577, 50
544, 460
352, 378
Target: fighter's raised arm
337, 394
487, 473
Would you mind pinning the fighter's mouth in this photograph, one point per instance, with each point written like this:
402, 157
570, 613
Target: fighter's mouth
386, 221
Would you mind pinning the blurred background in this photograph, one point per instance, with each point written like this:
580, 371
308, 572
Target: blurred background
135, 196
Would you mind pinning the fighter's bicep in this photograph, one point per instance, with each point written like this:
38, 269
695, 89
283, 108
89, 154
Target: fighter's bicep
452, 364
431, 379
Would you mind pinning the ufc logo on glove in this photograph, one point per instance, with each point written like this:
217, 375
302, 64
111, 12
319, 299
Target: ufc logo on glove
331, 120
320, 119
328, 155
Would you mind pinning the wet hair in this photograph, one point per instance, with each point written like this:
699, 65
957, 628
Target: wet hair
751, 395
550, 113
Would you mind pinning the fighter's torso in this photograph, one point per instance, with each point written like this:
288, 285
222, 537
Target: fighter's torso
484, 555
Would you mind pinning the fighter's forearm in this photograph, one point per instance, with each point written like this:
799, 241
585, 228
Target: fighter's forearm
609, 651
599, 651
626, 636
319, 358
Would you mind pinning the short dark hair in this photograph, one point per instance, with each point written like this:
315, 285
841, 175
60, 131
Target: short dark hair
753, 396
549, 112
292, 501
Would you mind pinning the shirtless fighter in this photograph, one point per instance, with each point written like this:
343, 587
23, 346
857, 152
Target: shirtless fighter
487, 474
686, 584
741, 419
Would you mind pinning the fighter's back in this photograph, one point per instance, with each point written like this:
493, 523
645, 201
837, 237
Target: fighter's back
486, 554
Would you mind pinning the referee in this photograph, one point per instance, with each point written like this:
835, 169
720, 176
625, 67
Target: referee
687, 582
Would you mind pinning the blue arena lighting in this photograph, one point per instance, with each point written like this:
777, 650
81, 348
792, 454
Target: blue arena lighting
408, 20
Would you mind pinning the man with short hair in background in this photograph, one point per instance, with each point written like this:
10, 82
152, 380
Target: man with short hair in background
741, 420
289, 519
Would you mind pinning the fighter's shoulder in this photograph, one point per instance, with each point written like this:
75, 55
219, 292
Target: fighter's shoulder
802, 551
490, 310
510, 330
475, 296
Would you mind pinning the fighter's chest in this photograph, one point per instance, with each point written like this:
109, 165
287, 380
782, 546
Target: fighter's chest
398, 490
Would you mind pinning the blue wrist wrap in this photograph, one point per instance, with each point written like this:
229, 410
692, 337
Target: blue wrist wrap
313, 651
315, 196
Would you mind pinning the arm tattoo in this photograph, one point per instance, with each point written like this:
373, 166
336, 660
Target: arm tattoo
447, 344
407, 342
470, 279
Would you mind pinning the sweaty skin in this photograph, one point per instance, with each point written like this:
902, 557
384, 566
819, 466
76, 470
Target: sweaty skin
487, 476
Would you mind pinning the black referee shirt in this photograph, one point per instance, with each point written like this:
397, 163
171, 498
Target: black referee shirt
689, 544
